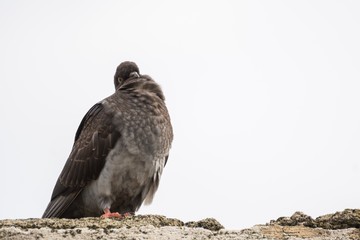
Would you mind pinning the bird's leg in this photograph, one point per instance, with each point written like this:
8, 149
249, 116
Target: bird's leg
108, 214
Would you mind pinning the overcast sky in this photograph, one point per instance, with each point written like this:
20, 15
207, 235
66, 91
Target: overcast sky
264, 98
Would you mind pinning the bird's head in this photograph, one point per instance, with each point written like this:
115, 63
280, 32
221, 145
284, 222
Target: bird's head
124, 71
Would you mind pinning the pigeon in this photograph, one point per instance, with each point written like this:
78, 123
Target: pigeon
121, 147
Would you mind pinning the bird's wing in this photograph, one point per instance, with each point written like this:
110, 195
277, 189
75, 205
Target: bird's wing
94, 139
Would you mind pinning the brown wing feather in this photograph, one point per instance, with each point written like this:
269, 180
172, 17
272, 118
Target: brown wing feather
94, 139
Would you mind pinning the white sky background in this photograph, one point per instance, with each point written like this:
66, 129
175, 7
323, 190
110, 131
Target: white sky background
264, 98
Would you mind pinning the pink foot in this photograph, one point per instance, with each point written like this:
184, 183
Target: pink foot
108, 214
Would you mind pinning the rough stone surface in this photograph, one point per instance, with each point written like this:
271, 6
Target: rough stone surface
208, 223
340, 225
349, 218
297, 219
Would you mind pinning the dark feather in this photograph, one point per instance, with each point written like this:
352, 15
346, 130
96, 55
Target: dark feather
166, 158
94, 139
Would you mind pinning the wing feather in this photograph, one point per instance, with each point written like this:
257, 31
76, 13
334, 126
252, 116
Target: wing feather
94, 139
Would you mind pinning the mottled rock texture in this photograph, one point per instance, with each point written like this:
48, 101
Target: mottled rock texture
341, 225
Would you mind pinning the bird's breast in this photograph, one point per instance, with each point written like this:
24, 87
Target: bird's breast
126, 171
124, 176
144, 128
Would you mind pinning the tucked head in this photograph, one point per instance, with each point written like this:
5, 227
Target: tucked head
125, 71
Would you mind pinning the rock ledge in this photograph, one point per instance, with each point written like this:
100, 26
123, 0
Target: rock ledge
341, 225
